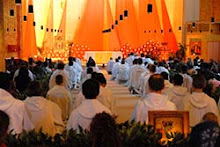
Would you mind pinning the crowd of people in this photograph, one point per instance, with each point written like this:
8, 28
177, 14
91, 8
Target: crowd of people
166, 85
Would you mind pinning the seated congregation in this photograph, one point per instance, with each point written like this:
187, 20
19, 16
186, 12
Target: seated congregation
51, 97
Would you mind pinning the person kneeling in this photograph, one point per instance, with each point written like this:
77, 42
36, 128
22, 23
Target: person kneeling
83, 115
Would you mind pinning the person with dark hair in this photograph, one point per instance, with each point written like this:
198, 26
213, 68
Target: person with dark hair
104, 132
205, 134
115, 69
19, 119
59, 71
178, 94
210, 117
83, 115
167, 83
43, 113
61, 96
153, 101
4, 123
199, 103
110, 66
187, 80
22, 80
134, 75
72, 72
143, 80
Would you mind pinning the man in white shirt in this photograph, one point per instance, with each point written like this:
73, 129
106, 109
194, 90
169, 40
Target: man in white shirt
154, 101
83, 115
144, 87
61, 96
59, 71
187, 80
110, 66
123, 74
130, 59
134, 78
42, 112
199, 103
115, 69
178, 94
161, 68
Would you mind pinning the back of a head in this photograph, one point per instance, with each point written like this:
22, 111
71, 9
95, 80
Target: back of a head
184, 69
156, 82
23, 72
89, 70
140, 61
70, 63
116, 60
59, 79
210, 117
165, 75
152, 68
104, 132
178, 79
142, 54
123, 62
90, 89
99, 77
70, 59
131, 54
135, 61
60, 66
199, 82
4, 123
205, 134
161, 64
34, 89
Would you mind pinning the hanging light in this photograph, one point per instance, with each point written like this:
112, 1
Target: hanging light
180, 28
212, 19
18, 2
149, 8
193, 24
42, 27
30, 9
125, 13
113, 26
25, 18
121, 17
116, 22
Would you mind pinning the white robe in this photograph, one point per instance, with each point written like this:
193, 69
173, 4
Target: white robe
110, 65
134, 77
198, 105
123, 74
153, 102
104, 97
62, 97
83, 115
161, 69
16, 111
130, 60
115, 70
187, 82
142, 82
57, 72
178, 95
149, 61
44, 114
73, 76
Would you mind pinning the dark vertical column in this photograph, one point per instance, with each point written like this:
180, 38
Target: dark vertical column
2, 46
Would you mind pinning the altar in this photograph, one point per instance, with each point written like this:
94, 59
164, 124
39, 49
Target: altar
102, 57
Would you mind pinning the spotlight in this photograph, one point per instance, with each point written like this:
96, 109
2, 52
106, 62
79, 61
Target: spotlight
149, 8
30, 9
17, 2
212, 19
180, 28
25, 18
193, 24
121, 17
126, 13
113, 26
116, 22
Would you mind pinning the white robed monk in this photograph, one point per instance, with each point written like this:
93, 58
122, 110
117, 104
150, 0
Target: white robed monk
154, 101
42, 112
83, 115
199, 103
62, 97
16, 111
